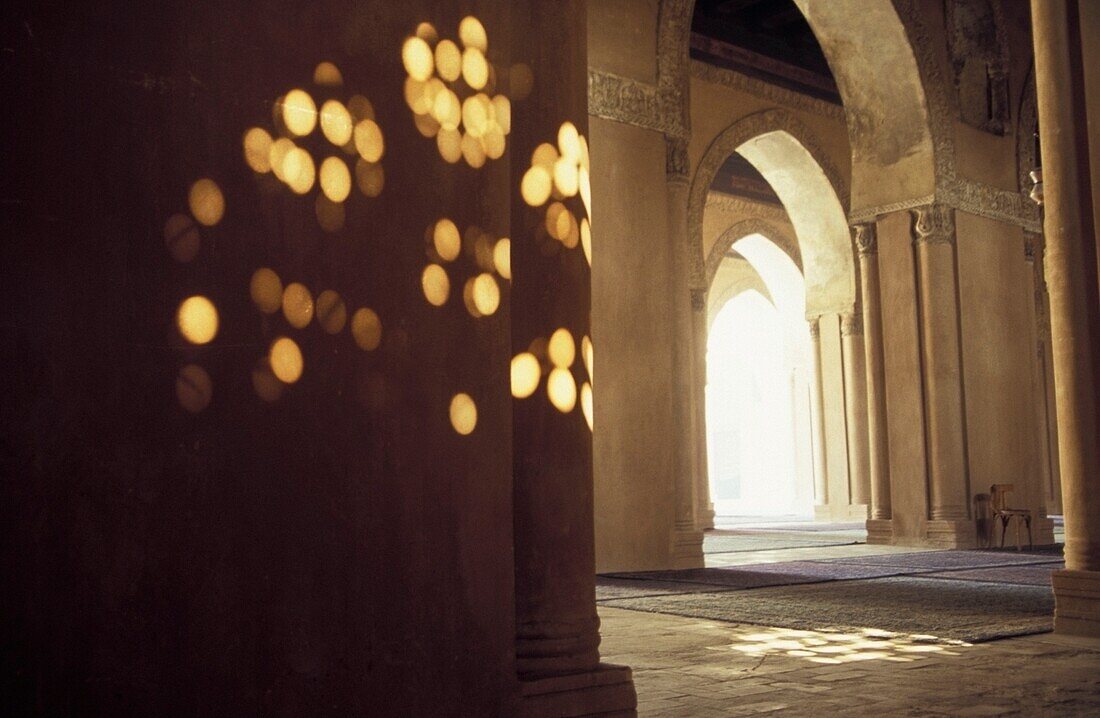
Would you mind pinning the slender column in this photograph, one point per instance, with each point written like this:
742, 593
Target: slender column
944, 416
687, 539
878, 459
1071, 256
817, 409
855, 407
557, 629
704, 513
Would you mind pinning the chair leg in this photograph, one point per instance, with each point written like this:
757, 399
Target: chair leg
1004, 530
1017, 533
1030, 545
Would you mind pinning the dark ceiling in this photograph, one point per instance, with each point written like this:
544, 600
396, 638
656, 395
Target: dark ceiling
767, 39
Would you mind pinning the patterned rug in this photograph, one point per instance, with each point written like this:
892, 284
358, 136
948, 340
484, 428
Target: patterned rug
947, 560
1036, 575
726, 543
763, 574
971, 611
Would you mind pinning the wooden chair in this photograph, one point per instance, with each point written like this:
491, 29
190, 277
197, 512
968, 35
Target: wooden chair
998, 498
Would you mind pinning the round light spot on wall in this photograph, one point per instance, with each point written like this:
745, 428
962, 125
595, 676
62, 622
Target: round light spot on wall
360, 108
475, 114
181, 236
417, 58
197, 319
193, 388
297, 305
335, 179
586, 355
264, 382
565, 177
472, 33
586, 403
502, 257
463, 414
299, 172
327, 74
475, 69
330, 215
486, 294
450, 145
562, 350
562, 390
584, 185
545, 155
448, 60
366, 329
207, 202
299, 112
369, 177
569, 142
426, 125
286, 360
468, 299
525, 375
426, 31
557, 221
494, 143
332, 314
473, 151
535, 186
368, 140
446, 240
586, 241
266, 290
336, 123
502, 111
436, 284
257, 149
447, 110
280, 148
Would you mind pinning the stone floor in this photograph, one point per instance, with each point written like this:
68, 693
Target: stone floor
697, 667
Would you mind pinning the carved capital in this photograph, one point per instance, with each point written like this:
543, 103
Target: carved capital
865, 238
677, 166
815, 329
934, 224
851, 324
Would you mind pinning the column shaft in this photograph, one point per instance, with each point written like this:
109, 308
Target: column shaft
855, 408
817, 408
704, 511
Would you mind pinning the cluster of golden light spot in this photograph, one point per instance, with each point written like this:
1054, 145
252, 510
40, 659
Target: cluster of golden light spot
557, 175
472, 125
481, 292
181, 232
555, 358
349, 128
836, 647
298, 306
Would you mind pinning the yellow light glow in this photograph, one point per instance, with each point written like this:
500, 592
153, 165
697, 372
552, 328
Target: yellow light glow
332, 314
486, 294
586, 241
299, 112
502, 257
586, 355
426, 31
463, 414
545, 155
417, 58
586, 403
197, 319
298, 171
335, 179
450, 145
327, 74
472, 33
472, 151
193, 388
207, 202
266, 290
493, 141
557, 221
565, 177
436, 285
475, 114
426, 125
569, 142
448, 60
562, 390
264, 382
360, 108
330, 215
535, 186
525, 375
370, 177
585, 187
416, 96
366, 329
286, 360
336, 123
446, 240
297, 305
368, 140
468, 299
447, 110
562, 349
257, 149
572, 235
182, 238
280, 148
475, 69
584, 160
502, 109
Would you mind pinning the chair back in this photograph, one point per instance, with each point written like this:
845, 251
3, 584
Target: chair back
998, 495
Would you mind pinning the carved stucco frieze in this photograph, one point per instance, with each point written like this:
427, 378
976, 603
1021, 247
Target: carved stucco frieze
621, 99
934, 224
739, 205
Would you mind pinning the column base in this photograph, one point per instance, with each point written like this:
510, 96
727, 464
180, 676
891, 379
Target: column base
880, 531
858, 512
1077, 602
607, 691
687, 549
705, 518
841, 512
1042, 531
955, 533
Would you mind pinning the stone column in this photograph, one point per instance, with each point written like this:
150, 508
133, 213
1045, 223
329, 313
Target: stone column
687, 538
1071, 270
944, 415
855, 409
879, 529
557, 629
704, 511
817, 407
1040, 485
